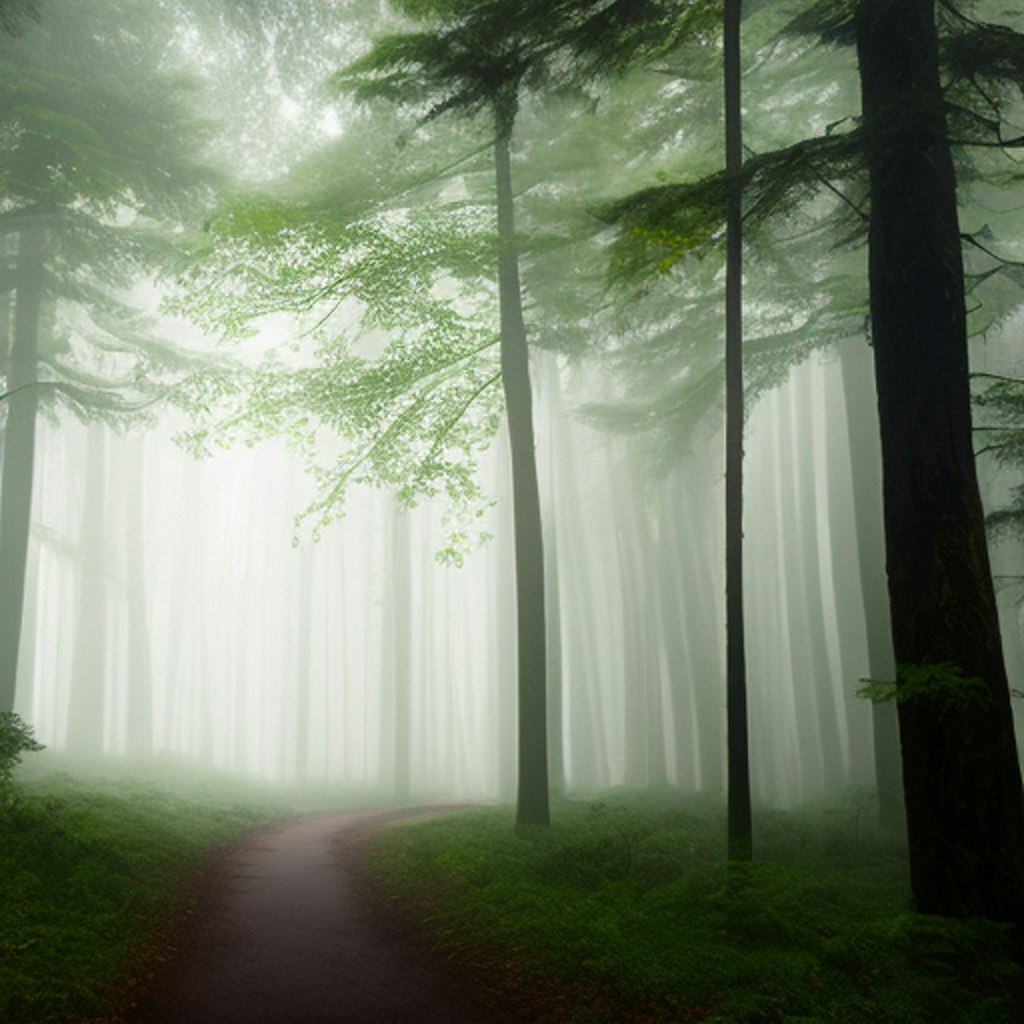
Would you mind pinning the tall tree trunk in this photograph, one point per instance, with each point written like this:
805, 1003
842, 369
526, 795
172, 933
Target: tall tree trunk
140, 666
503, 658
962, 783
555, 658
553, 429
304, 665
532, 797
740, 825
19, 455
87, 700
397, 653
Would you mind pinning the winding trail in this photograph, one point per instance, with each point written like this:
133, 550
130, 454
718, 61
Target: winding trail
285, 934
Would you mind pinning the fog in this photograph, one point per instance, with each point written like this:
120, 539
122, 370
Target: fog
185, 610
175, 608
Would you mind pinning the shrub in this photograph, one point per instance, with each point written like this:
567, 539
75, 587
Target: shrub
17, 737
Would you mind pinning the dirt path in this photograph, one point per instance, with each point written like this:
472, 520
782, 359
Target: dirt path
286, 935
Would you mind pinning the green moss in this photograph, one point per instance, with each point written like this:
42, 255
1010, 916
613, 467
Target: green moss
621, 912
89, 874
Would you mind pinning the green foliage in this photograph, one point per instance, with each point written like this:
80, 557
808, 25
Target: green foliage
15, 14
101, 158
91, 876
664, 224
999, 425
17, 737
942, 685
621, 912
398, 362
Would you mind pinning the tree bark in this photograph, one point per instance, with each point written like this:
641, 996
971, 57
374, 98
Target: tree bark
19, 455
962, 784
740, 826
532, 804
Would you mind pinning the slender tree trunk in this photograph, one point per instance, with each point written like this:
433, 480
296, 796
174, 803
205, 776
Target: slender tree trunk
304, 667
586, 722
398, 652
140, 666
532, 798
635, 667
962, 783
553, 426
866, 475
505, 644
87, 700
19, 455
740, 825
553, 631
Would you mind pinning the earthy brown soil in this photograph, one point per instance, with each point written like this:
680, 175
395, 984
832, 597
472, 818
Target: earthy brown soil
286, 933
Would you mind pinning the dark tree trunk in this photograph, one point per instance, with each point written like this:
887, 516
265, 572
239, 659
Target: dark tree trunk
19, 456
740, 826
962, 784
532, 797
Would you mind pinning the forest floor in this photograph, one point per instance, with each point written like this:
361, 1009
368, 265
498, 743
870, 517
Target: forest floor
287, 931
124, 901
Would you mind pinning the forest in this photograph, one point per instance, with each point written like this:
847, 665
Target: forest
511, 511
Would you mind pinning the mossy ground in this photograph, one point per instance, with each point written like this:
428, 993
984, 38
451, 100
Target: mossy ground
624, 911
93, 874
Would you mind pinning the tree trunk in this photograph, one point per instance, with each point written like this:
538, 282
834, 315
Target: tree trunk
397, 653
532, 798
304, 666
962, 784
19, 455
140, 665
503, 660
553, 429
87, 700
740, 826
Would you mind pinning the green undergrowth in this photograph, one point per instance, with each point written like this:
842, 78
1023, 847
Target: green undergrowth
93, 873
623, 911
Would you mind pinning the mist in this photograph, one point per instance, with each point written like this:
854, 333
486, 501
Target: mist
365, 430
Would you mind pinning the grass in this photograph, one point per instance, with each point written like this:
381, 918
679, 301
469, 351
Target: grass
623, 911
93, 873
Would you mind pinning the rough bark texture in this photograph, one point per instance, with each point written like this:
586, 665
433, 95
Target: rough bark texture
740, 826
532, 801
19, 456
962, 786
